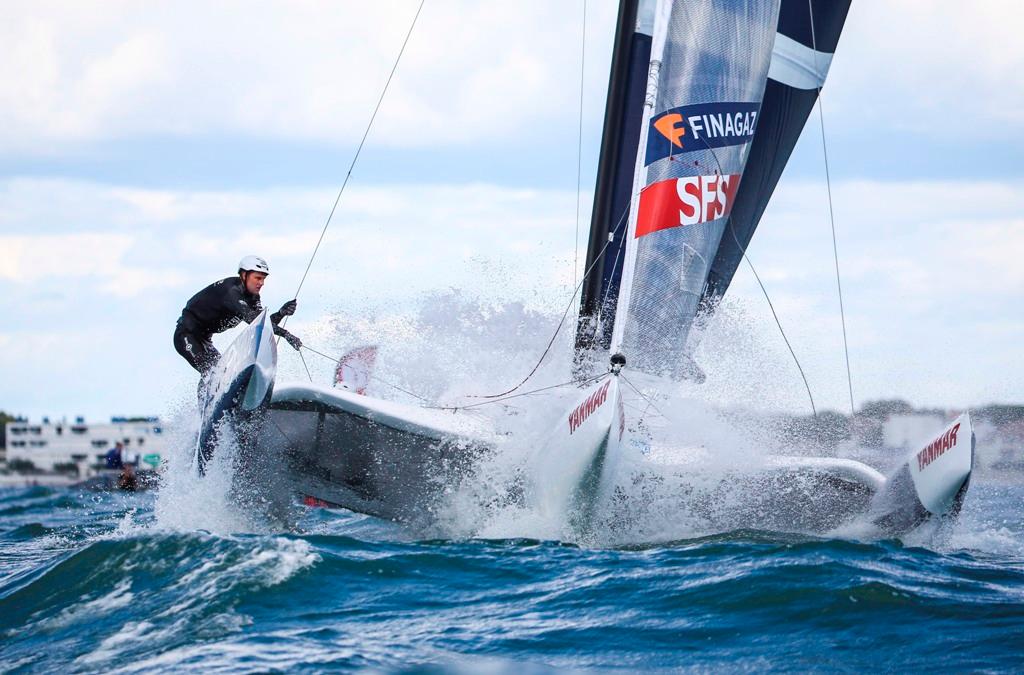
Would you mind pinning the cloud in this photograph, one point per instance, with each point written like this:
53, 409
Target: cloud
930, 273
931, 283
306, 71
486, 73
385, 240
104, 301
913, 239
928, 67
29, 258
66, 259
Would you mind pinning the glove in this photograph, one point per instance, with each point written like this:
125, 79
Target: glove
295, 342
288, 308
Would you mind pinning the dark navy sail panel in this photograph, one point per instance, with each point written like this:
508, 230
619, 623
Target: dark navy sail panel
829, 17
784, 113
622, 121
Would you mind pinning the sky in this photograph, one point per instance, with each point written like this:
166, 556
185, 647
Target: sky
146, 147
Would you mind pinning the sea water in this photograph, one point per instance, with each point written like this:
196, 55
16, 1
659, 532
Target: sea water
94, 582
184, 578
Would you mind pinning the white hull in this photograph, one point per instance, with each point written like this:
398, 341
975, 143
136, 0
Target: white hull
238, 387
567, 474
395, 461
367, 454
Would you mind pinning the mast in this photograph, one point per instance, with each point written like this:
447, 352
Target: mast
653, 82
619, 144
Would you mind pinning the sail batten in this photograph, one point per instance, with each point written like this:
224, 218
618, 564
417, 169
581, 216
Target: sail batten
797, 65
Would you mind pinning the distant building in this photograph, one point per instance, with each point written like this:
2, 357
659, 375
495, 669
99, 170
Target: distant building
49, 444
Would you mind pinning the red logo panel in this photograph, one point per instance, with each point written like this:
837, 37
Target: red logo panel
685, 201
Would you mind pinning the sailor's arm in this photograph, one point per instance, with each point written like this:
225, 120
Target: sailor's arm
295, 342
287, 309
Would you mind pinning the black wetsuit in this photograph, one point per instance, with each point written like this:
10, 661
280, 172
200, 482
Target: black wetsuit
222, 305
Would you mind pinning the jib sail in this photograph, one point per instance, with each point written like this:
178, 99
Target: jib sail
706, 102
706, 80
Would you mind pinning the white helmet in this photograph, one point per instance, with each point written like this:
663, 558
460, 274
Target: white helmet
253, 263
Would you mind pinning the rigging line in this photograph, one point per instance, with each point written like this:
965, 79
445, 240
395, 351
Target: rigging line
568, 307
637, 409
473, 405
372, 377
771, 306
352, 166
579, 146
577, 383
778, 323
643, 413
359, 149
831, 213
303, 358
643, 396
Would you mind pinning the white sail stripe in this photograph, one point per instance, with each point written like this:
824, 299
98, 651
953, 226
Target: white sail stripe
797, 65
645, 17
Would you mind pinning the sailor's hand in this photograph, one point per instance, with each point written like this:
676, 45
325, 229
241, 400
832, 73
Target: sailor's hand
295, 342
288, 308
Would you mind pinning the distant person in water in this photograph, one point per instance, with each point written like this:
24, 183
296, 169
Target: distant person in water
222, 305
115, 456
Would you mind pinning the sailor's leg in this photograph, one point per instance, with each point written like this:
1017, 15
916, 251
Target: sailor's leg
208, 356
190, 349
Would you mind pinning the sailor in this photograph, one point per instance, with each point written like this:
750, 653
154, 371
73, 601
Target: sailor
223, 305
115, 456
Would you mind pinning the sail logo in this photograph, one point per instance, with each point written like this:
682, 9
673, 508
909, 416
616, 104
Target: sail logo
587, 408
685, 201
672, 127
700, 127
937, 448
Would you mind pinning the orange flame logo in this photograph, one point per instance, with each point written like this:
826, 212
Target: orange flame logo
671, 127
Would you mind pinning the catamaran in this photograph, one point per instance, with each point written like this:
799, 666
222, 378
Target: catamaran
706, 101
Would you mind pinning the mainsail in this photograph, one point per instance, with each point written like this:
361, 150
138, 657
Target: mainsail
729, 88
623, 119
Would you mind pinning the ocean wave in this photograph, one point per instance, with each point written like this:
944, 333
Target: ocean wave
110, 588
